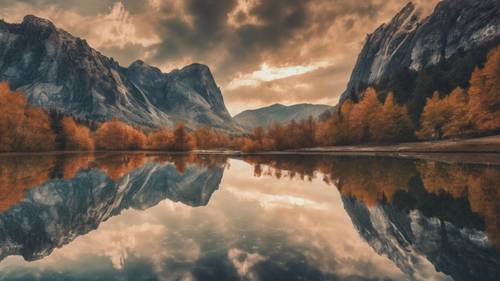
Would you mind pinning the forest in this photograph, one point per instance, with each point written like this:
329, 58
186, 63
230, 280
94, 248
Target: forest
469, 112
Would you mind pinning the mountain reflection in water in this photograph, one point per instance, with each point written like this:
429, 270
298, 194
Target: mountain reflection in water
146, 216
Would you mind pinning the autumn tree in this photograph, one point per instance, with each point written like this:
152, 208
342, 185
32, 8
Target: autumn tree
210, 138
307, 133
434, 117
161, 140
484, 94
182, 140
361, 114
76, 137
276, 133
458, 107
116, 135
327, 130
392, 123
23, 127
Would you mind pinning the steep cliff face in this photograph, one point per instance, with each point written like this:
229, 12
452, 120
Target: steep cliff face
57, 212
411, 43
62, 72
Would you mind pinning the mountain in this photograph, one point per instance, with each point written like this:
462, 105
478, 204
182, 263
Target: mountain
265, 116
58, 211
414, 56
60, 72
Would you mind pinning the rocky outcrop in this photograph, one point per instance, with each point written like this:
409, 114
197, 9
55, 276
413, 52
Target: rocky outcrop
60, 72
409, 42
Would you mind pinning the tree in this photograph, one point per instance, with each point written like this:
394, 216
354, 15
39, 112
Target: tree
335, 129
361, 114
209, 138
116, 135
484, 95
434, 117
23, 127
304, 135
458, 106
76, 137
182, 140
392, 123
161, 140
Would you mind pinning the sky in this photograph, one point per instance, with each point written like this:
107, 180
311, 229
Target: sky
260, 52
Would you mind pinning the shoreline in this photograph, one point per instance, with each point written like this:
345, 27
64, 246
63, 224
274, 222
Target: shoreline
483, 145
490, 144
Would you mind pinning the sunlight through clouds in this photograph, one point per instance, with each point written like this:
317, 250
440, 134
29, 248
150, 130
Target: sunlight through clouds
269, 73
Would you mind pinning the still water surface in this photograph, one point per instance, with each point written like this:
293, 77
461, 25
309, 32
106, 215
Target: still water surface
164, 217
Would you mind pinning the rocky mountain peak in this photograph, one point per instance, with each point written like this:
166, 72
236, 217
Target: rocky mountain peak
199, 72
36, 26
405, 18
277, 105
34, 21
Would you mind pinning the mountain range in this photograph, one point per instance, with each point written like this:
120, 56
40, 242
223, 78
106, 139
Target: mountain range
278, 113
60, 72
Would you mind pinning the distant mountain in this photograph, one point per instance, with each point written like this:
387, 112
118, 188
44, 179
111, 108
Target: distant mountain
279, 113
414, 56
58, 71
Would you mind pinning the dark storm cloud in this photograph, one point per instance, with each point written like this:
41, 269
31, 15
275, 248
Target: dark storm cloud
278, 23
195, 36
280, 29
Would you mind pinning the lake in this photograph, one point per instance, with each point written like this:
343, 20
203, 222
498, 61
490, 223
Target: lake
147, 216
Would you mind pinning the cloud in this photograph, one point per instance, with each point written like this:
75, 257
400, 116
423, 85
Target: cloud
243, 262
266, 73
250, 45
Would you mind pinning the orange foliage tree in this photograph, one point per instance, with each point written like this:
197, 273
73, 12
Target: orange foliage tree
161, 140
361, 115
434, 117
391, 123
22, 127
209, 138
116, 135
458, 122
76, 137
183, 141
484, 94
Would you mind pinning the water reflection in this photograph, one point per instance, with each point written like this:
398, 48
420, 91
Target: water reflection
115, 217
